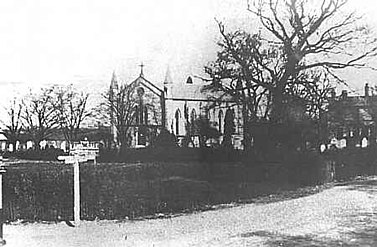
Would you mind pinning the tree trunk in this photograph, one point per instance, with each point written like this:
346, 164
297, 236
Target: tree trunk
13, 142
37, 145
246, 129
37, 142
278, 111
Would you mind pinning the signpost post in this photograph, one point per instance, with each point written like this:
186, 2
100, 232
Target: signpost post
76, 190
75, 160
82, 153
2, 171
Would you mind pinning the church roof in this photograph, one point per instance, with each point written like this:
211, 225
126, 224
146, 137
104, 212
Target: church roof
146, 83
191, 88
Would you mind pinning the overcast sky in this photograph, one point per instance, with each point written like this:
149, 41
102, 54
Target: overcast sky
83, 41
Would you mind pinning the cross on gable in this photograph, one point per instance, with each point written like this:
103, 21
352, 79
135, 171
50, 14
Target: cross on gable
141, 69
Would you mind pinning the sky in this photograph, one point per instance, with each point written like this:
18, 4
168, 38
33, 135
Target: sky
83, 41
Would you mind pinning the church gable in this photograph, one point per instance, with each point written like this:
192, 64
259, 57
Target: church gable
148, 103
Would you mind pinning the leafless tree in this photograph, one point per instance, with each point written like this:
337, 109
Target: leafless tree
120, 108
299, 44
40, 115
312, 35
71, 110
299, 36
13, 124
312, 90
240, 51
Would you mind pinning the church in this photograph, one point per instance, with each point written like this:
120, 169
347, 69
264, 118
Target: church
175, 107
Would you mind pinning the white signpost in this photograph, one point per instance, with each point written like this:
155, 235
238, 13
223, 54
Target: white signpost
83, 152
2, 171
75, 160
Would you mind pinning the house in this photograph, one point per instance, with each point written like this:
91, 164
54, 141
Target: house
351, 119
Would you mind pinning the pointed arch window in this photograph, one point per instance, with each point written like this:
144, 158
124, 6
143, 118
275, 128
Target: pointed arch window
146, 115
192, 120
177, 119
221, 116
137, 114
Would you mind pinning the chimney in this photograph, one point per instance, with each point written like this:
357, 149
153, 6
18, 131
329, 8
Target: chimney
366, 90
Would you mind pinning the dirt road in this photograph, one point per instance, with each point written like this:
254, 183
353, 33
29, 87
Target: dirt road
345, 215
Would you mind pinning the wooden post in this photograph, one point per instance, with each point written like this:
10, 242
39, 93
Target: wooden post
1, 207
163, 110
76, 190
75, 159
2, 170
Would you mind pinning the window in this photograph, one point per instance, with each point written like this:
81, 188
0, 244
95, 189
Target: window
146, 115
220, 121
192, 121
189, 80
137, 115
177, 117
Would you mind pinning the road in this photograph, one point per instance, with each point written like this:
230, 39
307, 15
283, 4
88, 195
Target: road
344, 215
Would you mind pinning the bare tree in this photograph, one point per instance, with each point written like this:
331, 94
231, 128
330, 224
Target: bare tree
13, 124
301, 36
239, 56
120, 109
312, 91
300, 47
40, 115
312, 35
228, 75
71, 110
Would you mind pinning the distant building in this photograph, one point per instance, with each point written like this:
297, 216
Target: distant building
99, 136
352, 119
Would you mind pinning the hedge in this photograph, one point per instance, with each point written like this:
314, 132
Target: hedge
35, 191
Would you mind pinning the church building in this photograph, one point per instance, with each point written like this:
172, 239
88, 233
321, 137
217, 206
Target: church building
176, 106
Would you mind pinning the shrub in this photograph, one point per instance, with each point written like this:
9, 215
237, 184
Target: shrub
165, 139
